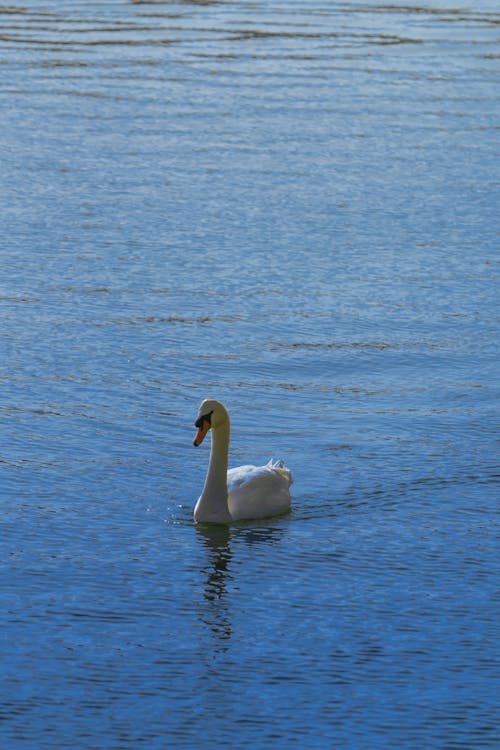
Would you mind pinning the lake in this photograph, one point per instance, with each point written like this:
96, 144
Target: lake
291, 207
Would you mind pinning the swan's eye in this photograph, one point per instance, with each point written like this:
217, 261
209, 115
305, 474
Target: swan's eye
204, 418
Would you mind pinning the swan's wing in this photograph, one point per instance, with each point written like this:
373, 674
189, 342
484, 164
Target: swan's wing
258, 491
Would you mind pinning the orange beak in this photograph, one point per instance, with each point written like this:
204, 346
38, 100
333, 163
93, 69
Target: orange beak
202, 431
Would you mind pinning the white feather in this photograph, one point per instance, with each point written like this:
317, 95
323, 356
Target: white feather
258, 491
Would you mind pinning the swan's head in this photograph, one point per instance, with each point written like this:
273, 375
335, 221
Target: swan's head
211, 414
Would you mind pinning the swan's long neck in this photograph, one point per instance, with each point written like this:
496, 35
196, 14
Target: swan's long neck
212, 506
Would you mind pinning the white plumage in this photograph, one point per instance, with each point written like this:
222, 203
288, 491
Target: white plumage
244, 492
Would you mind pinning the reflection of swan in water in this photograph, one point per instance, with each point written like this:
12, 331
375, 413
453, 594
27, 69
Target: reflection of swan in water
218, 571
216, 540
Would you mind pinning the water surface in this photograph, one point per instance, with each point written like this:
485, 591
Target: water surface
292, 207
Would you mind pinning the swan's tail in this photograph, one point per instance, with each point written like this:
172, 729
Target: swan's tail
280, 468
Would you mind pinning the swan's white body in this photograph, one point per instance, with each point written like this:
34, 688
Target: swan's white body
245, 492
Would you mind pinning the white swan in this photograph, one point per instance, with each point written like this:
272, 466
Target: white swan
242, 493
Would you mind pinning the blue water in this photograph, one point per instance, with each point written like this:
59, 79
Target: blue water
292, 207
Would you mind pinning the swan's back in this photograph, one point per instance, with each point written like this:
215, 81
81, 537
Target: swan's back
259, 491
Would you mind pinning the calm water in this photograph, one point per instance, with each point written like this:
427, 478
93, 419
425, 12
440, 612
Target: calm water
291, 206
